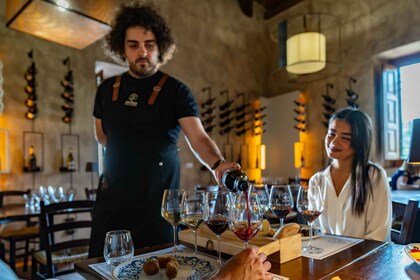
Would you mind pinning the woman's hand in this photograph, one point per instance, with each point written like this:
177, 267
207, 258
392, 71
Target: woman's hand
247, 265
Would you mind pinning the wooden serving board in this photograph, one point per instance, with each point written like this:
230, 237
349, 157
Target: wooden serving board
289, 247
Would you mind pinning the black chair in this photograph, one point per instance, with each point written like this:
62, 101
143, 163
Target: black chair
61, 252
408, 213
18, 230
91, 193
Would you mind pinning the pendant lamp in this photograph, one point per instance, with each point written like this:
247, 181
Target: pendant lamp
306, 51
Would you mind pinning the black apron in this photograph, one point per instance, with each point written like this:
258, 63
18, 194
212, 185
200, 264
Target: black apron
140, 162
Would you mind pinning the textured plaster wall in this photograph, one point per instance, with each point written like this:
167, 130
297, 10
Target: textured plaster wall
369, 27
217, 46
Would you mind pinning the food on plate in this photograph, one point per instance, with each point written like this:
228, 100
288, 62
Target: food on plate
287, 230
266, 229
172, 269
415, 253
151, 266
163, 260
304, 230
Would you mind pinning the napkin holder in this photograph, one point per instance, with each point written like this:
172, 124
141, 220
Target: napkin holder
277, 250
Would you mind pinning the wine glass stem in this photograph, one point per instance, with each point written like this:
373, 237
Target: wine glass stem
281, 222
245, 244
310, 235
195, 241
220, 253
174, 249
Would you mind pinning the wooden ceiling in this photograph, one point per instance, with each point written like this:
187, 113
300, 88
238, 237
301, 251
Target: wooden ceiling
272, 7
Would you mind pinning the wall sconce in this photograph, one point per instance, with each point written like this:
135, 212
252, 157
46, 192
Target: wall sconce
75, 24
414, 151
299, 154
306, 52
4, 151
261, 154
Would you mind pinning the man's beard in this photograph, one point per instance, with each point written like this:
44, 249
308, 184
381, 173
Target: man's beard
144, 70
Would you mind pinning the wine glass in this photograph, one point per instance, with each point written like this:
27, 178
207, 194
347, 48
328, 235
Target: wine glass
245, 216
263, 193
171, 209
192, 212
216, 214
310, 204
281, 201
118, 247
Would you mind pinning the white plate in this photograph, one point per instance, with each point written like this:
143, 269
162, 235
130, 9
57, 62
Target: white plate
191, 267
318, 232
407, 249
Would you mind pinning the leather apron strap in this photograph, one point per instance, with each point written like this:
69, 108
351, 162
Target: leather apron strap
152, 98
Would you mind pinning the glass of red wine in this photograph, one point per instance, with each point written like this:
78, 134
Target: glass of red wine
171, 209
310, 204
281, 201
192, 212
245, 216
216, 214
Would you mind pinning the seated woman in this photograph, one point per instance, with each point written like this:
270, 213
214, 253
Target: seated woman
405, 178
355, 191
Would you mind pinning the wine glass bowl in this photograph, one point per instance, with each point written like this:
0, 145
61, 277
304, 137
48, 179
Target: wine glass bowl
245, 216
281, 201
171, 209
310, 205
118, 247
216, 214
192, 212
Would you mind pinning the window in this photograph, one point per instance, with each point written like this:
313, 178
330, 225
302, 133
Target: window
400, 101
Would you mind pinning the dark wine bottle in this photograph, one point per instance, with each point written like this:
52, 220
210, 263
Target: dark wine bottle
32, 159
235, 180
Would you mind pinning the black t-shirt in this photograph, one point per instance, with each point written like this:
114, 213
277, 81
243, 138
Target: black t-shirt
174, 101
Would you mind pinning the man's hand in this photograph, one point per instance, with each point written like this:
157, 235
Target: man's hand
218, 172
247, 265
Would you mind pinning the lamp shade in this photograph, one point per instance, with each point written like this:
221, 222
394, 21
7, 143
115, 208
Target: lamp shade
414, 151
306, 53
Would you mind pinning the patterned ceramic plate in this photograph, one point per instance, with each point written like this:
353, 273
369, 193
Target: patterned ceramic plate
411, 251
192, 267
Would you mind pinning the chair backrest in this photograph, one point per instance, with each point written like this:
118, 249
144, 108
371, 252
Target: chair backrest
409, 214
51, 225
10, 193
91, 193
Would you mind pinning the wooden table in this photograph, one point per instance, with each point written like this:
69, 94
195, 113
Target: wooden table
16, 212
364, 260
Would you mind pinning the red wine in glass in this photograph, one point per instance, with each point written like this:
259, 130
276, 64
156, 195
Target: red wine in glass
281, 201
282, 211
218, 225
309, 215
246, 232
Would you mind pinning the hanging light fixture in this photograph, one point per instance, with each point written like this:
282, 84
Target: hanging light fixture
306, 51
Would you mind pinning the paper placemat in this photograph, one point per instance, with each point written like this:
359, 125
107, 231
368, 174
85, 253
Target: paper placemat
332, 244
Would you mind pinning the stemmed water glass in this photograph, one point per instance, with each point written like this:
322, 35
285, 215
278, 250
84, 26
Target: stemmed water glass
281, 201
171, 209
245, 216
216, 214
192, 212
118, 247
310, 204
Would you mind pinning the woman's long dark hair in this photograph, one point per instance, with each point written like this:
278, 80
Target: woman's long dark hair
361, 142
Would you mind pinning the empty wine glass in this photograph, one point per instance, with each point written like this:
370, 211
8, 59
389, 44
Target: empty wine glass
118, 247
216, 214
263, 193
281, 201
192, 212
171, 209
56, 193
310, 204
245, 216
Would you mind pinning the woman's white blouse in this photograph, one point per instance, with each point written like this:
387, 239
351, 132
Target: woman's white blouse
337, 217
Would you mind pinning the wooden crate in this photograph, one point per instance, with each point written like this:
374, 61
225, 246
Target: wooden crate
278, 250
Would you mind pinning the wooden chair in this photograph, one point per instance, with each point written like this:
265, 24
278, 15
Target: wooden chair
59, 252
18, 231
91, 193
408, 213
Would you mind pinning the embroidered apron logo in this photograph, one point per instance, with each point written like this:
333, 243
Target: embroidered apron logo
132, 100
